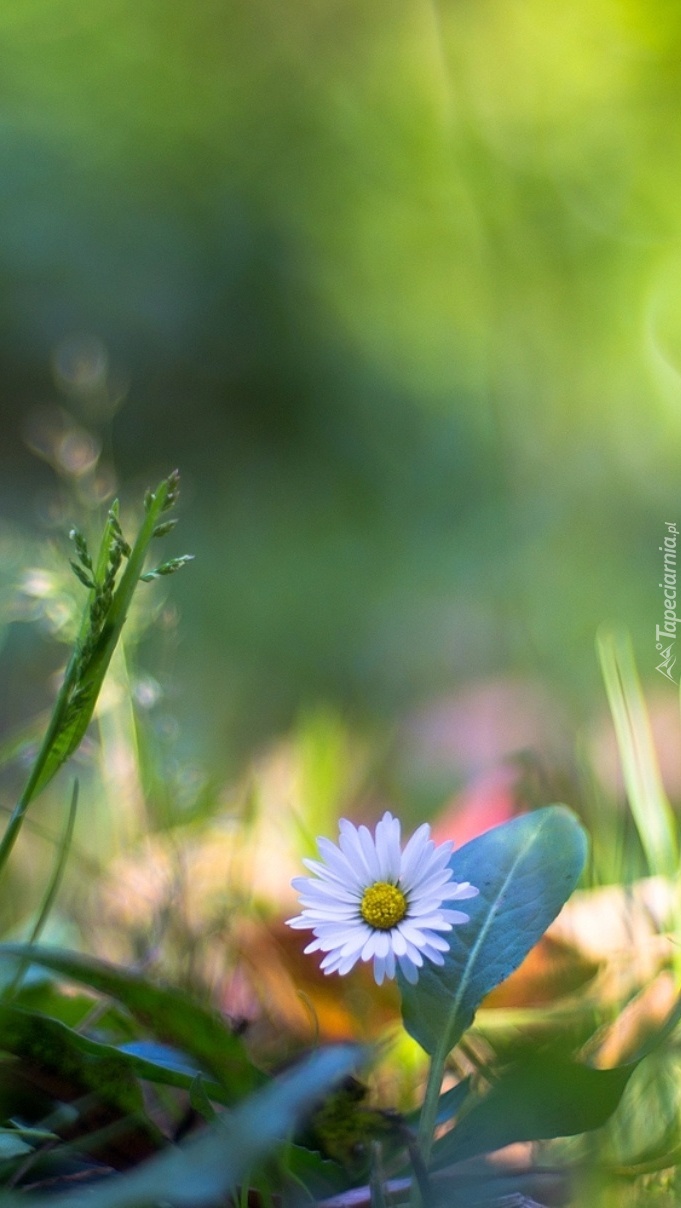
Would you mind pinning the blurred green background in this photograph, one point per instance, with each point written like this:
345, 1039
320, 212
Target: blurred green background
396, 285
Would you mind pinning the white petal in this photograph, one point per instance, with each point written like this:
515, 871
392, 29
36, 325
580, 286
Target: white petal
336, 937
335, 963
436, 942
413, 953
413, 853
435, 920
388, 847
355, 942
409, 970
461, 891
433, 955
384, 966
346, 914
431, 883
399, 944
346, 870
433, 862
311, 896
369, 852
379, 970
324, 872
383, 943
298, 923
426, 905
410, 931
352, 850
329, 883
325, 894
456, 916
347, 963
378, 944
329, 938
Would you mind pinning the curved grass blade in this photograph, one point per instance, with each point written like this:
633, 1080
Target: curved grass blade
51, 891
650, 808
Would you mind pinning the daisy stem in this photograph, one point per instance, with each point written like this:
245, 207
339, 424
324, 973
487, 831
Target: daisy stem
429, 1110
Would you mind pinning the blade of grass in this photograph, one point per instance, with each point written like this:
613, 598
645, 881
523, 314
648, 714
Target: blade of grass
100, 629
650, 808
51, 891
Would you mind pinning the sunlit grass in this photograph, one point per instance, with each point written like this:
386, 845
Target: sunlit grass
189, 878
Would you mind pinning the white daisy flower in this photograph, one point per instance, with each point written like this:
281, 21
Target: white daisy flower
371, 900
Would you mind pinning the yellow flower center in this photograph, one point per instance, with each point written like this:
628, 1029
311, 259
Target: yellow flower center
383, 905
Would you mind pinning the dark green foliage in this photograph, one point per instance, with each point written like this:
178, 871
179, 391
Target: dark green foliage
200, 1171
170, 1014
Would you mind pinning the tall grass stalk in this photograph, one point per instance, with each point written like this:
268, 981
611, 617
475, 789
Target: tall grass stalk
650, 808
108, 603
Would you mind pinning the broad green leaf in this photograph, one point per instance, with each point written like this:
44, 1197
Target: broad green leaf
77, 1065
541, 1097
110, 1070
525, 871
170, 1014
200, 1172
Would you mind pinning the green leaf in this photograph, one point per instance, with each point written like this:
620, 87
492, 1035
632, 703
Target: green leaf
203, 1170
169, 1013
86, 1064
11, 1145
525, 871
448, 1105
160, 1055
79, 1063
200, 1099
542, 1095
